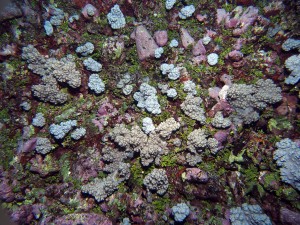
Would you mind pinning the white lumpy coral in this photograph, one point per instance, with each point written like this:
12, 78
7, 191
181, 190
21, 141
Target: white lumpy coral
174, 74
78, 133
206, 40
220, 122
187, 11
158, 52
170, 4
287, 157
166, 68
248, 100
293, 65
180, 212
85, 49
290, 44
59, 131
190, 87
57, 15
165, 129
173, 43
192, 108
127, 89
212, 59
157, 181
198, 141
96, 84
147, 99
43, 145
148, 125
249, 215
169, 69
39, 120
116, 18
102, 188
92, 65
51, 71
171, 93
48, 28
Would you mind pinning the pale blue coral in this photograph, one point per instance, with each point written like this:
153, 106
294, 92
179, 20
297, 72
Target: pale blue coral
92, 65
187, 11
287, 157
116, 18
180, 212
96, 84
59, 131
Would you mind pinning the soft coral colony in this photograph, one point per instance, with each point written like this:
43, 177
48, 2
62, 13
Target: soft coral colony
150, 112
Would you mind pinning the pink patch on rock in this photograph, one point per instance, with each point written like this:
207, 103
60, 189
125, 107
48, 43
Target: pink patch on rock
196, 175
232, 23
84, 11
28, 146
239, 43
222, 15
199, 48
186, 38
201, 18
6, 192
161, 37
221, 136
105, 111
235, 55
211, 33
9, 50
214, 93
227, 79
222, 105
198, 59
247, 19
145, 44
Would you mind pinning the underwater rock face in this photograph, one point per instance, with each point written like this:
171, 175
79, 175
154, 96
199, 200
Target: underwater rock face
150, 112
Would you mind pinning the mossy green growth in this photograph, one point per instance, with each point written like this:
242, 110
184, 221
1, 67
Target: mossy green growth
169, 160
9, 143
270, 178
280, 123
65, 167
4, 115
251, 177
247, 49
137, 173
160, 204
236, 158
291, 195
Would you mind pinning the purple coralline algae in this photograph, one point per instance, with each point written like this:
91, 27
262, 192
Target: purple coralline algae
145, 44
186, 38
242, 18
161, 37
104, 113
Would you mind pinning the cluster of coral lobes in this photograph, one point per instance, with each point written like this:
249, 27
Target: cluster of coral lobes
150, 112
